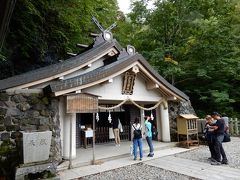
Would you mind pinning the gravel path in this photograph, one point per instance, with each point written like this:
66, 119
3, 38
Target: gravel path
137, 171
143, 171
232, 150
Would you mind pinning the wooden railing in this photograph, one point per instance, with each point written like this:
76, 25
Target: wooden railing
102, 134
125, 134
234, 126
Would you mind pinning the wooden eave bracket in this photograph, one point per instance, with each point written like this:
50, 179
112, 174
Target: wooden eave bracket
72, 54
113, 52
82, 45
152, 85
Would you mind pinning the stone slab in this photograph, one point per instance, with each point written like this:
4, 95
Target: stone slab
23, 171
36, 146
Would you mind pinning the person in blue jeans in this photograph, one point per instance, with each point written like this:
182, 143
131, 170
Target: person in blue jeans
137, 139
148, 128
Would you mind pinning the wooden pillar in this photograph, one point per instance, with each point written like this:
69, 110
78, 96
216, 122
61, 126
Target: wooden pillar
165, 130
141, 121
68, 120
231, 126
236, 126
159, 125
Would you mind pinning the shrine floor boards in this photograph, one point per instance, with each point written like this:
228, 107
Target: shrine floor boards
108, 151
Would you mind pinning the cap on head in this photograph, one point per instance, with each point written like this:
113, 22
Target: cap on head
215, 114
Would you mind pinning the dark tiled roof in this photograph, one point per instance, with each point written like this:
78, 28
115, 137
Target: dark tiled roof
110, 69
58, 68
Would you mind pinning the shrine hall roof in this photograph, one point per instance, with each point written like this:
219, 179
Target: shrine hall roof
108, 70
99, 48
56, 70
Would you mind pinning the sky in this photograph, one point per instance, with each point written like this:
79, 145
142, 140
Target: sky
124, 5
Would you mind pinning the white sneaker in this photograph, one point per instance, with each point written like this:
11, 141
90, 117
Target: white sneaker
216, 163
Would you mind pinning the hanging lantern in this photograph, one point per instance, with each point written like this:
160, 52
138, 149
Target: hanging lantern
109, 117
97, 117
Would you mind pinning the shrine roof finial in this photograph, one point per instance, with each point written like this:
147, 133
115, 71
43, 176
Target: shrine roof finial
107, 35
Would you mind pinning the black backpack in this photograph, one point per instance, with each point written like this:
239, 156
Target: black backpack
137, 133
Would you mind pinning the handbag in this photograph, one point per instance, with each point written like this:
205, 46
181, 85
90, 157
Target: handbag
131, 149
120, 125
227, 137
111, 135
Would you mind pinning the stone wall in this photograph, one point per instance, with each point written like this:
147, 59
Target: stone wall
30, 112
176, 108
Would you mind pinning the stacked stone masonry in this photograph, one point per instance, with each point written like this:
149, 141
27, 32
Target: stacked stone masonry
30, 112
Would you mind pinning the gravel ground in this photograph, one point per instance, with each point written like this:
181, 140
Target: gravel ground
232, 150
143, 171
137, 171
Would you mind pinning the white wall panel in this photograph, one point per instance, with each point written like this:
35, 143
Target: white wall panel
113, 91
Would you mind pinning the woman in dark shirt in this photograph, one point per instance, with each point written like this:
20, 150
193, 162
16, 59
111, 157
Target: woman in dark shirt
115, 123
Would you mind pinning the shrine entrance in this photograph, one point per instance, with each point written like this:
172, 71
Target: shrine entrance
103, 126
126, 114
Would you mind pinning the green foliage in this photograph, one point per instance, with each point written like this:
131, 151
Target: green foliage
8, 159
42, 32
221, 97
194, 44
2, 57
6, 147
202, 36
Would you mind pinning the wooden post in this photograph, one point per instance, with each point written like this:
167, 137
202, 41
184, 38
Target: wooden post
236, 126
231, 126
94, 128
70, 148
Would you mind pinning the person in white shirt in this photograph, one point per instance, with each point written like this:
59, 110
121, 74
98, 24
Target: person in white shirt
137, 138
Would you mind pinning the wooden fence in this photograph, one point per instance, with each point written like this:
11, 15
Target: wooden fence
234, 126
102, 134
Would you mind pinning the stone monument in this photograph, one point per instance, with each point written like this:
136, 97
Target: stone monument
36, 150
36, 146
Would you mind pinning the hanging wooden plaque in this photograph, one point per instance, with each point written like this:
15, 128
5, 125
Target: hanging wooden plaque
128, 83
82, 103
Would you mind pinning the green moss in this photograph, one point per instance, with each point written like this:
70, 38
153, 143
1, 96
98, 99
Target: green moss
8, 159
45, 101
34, 99
3, 97
6, 148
